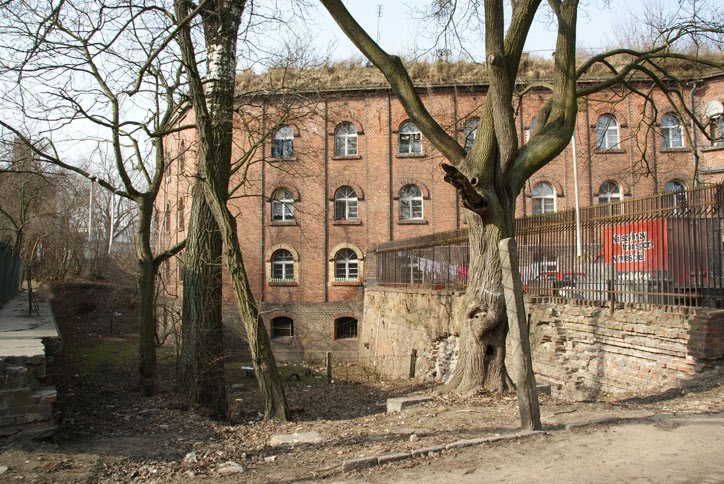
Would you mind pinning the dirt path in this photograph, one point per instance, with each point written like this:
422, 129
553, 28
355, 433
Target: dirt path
670, 450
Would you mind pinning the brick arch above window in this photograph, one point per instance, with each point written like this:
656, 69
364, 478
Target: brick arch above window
557, 187
346, 245
294, 127
625, 187
411, 181
333, 190
288, 186
270, 251
618, 115
358, 126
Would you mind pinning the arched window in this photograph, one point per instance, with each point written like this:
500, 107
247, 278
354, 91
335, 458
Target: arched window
527, 131
544, 198
282, 327
672, 132
283, 143
345, 204
606, 132
345, 328
345, 140
469, 132
410, 203
346, 266
282, 269
675, 194
182, 158
410, 139
609, 192
282, 205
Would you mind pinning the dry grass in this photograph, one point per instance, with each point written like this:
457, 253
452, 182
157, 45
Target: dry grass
358, 74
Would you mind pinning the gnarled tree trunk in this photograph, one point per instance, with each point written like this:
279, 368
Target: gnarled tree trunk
202, 347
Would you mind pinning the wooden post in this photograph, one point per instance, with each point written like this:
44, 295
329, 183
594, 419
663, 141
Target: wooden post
329, 367
518, 333
413, 360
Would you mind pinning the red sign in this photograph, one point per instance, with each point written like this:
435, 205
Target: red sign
636, 247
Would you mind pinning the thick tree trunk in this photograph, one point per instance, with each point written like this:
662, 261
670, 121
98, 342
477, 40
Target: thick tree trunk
146, 281
484, 324
202, 347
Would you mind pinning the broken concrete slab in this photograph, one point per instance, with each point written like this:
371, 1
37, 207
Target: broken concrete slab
295, 438
401, 403
385, 458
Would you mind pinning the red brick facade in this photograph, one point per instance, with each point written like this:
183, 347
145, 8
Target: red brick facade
377, 172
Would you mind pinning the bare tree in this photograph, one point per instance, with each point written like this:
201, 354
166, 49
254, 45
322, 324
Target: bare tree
106, 67
492, 174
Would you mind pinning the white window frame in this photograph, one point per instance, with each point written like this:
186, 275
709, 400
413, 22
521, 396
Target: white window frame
283, 143
672, 132
282, 263
607, 196
411, 204
345, 140
543, 197
409, 139
346, 266
345, 204
607, 133
282, 205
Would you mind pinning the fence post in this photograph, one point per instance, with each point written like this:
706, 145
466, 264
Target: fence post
329, 367
413, 360
611, 295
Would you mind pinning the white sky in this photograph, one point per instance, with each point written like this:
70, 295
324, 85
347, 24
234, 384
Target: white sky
401, 31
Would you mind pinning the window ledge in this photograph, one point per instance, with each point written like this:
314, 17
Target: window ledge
346, 339
674, 150
413, 221
713, 147
346, 222
282, 339
347, 157
283, 223
346, 283
610, 151
410, 155
275, 159
283, 283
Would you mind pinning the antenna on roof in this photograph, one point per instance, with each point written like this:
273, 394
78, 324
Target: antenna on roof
379, 20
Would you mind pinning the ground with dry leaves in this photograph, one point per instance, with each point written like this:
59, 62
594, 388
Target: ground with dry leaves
110, 433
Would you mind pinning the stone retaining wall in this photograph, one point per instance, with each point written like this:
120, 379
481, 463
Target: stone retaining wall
579, 350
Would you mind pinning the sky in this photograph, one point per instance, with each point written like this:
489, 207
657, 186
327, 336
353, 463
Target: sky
401, 31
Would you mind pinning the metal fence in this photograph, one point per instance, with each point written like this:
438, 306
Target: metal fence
659, 250
11, 270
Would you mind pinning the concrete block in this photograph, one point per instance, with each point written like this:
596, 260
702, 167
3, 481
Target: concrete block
384, 459
428, 450
360, 463
296, 438
401, 403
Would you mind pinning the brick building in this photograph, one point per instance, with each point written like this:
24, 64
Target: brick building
348, 170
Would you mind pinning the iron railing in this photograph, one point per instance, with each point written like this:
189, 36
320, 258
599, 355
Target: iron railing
11, 270
660, 250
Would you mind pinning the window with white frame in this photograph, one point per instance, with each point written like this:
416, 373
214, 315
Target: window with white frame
411, 203
345, 140
544, 198
282, 205
346, 266
606, 132
283, 143
282, 327
410, 139
527, 131
609, 192
345, 327
675, 194
345, 204
672, 132
282, 266
470, 131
